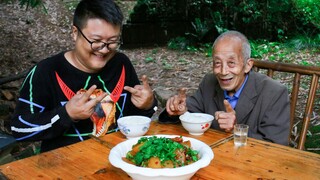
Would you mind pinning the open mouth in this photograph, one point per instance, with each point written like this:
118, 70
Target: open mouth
225, 81
98, 55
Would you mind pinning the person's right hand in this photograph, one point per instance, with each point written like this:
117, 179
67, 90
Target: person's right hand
176, 105
81, 107
226, 119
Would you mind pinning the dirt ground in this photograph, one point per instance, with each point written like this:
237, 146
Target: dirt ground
28, 36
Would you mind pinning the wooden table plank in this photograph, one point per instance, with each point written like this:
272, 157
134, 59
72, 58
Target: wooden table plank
89, 160
262, 160
91, 155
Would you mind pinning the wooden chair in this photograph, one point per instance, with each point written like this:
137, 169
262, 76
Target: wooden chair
297, 71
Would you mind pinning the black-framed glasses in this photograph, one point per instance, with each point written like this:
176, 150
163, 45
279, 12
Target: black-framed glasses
98, 45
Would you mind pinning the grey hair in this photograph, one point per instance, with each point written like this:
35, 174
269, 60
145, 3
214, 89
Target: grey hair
245, 48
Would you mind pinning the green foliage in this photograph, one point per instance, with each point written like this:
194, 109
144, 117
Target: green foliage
272, 19
149, 59
282, 51
183, 61
166, 65
33, 4
305, 42
179, 43
71, 5
261, 48
201, 28
184, 44
310, 11
259, 19
157, 10
313, 139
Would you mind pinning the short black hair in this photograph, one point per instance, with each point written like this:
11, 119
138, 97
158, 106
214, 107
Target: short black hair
107, 10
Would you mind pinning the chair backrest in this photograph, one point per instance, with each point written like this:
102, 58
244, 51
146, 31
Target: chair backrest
298, 71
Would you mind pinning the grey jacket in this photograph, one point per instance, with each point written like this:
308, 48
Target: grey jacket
263, 105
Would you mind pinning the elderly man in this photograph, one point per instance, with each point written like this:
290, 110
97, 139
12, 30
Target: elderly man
236, 94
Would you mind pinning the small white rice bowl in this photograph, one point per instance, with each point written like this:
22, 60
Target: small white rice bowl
142, 173
134, 126
196, 123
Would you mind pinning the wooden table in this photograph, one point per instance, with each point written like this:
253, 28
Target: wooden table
89, 160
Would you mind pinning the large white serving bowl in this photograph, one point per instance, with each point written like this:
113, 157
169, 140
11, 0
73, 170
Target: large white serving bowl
180, 173
134, 126
196, 123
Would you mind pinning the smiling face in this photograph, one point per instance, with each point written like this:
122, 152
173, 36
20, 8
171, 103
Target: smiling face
83, 57
229, 65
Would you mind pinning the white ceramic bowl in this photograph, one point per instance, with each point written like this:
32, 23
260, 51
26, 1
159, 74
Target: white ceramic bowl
196, 123
180, 173
134, 126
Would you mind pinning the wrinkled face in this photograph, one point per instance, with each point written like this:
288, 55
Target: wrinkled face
228, 64
99, 30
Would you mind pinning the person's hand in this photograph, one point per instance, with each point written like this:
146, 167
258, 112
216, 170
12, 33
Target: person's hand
81, 107
226, 119
141, 95
176, 105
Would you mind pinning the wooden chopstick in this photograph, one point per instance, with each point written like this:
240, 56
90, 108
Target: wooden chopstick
104, 143
222, 141
3, 177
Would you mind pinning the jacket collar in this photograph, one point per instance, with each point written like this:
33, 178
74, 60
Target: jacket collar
246, 101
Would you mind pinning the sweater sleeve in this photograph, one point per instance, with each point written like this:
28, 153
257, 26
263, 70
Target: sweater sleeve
38, 116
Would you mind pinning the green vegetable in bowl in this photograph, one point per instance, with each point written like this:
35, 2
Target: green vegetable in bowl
162, 152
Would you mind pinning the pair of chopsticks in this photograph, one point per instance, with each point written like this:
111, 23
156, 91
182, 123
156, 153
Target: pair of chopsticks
222, 141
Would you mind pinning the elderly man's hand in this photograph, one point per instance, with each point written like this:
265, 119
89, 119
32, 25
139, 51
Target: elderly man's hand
176, 105
226, 119
141, 95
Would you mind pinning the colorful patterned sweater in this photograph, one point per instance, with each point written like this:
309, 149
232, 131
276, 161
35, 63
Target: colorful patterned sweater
40, 113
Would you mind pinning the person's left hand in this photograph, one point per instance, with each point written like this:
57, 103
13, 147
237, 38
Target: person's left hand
226, 119
141, 95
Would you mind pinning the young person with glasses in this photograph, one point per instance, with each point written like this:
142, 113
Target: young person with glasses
49, 108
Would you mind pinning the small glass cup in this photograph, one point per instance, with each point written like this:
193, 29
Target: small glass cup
240, 134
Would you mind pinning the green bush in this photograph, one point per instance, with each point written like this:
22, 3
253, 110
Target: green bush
158, 10
32, 4
308, 11
272, 19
